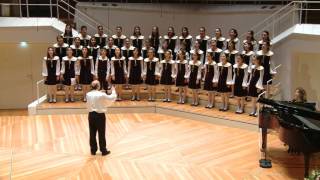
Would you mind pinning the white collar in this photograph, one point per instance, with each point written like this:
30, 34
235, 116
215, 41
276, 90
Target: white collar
167, 37
198, 63
89, 57
67, 59
205, 37
218, 50
199, 51
234, 40
232, 52
212, 63
139, 58
64, 45
115, 59
74, 47
258, 68
269, 53
243, 66
117, 37
219, 39
81, 37
139, 37
125, 48
53, 59
165, 61
113, 47
95, 47
226, 65
153, 60
188, 37
182, 62
248, 53
98, 35
103, 59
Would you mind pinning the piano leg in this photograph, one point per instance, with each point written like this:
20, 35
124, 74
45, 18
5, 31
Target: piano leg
306, 164
264, 134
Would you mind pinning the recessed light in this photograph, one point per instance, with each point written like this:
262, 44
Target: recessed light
23, 44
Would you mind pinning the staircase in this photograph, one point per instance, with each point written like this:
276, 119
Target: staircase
63, 10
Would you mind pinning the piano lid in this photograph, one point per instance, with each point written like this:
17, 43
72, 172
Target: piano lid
291, 108
309, 122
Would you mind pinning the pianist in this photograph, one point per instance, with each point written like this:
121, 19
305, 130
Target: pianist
300, 99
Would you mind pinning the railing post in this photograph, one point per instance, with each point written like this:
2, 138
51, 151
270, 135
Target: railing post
57, 5
20, 8
293, 14
51, 8
300, 15
273, 27
68, 10
38, 94
27, 2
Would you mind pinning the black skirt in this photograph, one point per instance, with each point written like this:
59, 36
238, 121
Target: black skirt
150, 76
151, 80
135, 73
253, 90
180, 80
85, 79
119, 77
193, 81
67, 80
166, 78
222, 83
85, 76
239, 91
208, 84
51, 80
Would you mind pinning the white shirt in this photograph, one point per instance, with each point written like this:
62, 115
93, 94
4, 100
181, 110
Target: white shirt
96, 99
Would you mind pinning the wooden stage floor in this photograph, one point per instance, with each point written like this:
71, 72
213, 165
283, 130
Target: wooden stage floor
143, 146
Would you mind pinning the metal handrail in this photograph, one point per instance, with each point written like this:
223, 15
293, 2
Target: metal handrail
272, 20
277, 92
270, 80
83, 14
86, 16
279, 18
277, 67
38, 91
261, 94
83, 17
78, 17
268, 18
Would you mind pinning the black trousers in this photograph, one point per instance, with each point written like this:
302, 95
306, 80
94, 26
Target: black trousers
97, 123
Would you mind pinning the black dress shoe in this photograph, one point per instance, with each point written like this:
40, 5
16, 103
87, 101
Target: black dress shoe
93, 153
106, 153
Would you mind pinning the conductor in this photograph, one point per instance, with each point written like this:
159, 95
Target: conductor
97, 119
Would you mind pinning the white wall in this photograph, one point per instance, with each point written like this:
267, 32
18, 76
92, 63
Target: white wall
20, 67
163, 15
300, 58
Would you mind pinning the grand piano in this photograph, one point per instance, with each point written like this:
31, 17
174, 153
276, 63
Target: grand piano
298, 126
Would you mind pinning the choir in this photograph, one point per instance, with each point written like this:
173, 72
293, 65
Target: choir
215, 64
